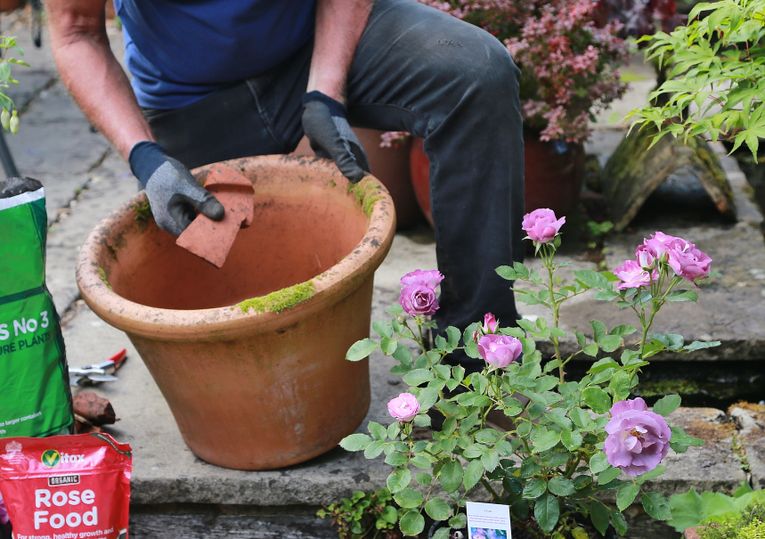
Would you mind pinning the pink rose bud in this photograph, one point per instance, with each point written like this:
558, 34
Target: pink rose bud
638, 439
645, 257
687, 261
632, 275
418, 300
404, 407
499, 350
541, 225
490, 323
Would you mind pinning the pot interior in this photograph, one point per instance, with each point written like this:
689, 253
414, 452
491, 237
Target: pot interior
298, 232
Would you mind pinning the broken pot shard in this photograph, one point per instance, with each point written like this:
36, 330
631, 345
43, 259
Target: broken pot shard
212, 240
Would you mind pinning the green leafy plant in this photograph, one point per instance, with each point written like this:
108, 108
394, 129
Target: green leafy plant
365, 514
715, 84
570, 442
694, 509
9, 117
749, 523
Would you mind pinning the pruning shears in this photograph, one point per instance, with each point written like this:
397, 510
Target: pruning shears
97, 372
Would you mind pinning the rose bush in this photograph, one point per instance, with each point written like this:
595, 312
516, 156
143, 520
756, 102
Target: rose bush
570, 441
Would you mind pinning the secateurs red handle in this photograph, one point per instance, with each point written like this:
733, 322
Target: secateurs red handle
98, 372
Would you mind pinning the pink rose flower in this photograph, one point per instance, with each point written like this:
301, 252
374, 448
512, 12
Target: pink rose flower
688, 261
499, 350
418, 300
638, 439
541, 225
659, 243
685, 259
404, 407
428, 278
632, 275
418, 292
490, 323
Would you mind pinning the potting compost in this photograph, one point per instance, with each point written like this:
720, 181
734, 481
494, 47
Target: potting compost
65, 487
35, 398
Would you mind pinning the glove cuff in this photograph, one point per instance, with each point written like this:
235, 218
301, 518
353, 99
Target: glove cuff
146, 157
335, 107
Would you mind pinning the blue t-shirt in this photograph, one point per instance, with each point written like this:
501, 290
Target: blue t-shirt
180, 51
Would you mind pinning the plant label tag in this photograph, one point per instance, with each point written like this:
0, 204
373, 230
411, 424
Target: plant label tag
488, 521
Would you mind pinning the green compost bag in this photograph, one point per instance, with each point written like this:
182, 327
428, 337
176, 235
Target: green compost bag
35, 399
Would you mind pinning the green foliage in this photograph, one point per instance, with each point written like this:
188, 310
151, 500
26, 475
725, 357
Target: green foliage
715, 84
8, 115
693, 509
364, 514
748, 523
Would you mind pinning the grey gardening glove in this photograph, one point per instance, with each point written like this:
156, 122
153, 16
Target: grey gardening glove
327, 128
174, 195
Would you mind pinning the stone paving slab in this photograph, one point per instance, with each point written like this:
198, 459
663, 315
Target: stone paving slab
104, 190
751, 423
713, 466
56, 145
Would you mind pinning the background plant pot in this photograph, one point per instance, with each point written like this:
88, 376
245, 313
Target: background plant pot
252, 390
9, 5
391, 167
554, 173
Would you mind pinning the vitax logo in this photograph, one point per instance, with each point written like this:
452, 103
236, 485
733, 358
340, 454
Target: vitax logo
52, 458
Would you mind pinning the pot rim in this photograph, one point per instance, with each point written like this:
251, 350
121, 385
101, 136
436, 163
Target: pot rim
158, 323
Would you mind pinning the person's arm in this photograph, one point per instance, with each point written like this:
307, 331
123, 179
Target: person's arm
97, 82
92, 74
339, 25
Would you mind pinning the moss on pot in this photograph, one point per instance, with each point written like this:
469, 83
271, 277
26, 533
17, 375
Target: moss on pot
104, 277
279, 300
142, 213
366, 192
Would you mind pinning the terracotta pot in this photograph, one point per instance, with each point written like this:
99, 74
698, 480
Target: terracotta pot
9, 5
553, 178
109, 9
391, 167
252, 390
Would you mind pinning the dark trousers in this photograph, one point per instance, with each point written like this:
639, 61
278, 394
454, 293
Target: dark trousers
418, 70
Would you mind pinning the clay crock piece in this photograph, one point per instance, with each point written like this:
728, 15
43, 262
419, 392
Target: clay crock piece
251, 357
212, 240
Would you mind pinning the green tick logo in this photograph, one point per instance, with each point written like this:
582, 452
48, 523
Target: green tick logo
51, 458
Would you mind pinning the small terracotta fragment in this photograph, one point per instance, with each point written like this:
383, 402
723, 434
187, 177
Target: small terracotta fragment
93, 408
212, 240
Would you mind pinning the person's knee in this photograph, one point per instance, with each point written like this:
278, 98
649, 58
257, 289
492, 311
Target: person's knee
484, 73
498, 83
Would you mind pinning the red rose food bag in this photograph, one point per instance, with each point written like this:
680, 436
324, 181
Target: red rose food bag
66, 487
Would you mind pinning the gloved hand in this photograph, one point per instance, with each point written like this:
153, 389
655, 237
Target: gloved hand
174, 195
327, 128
